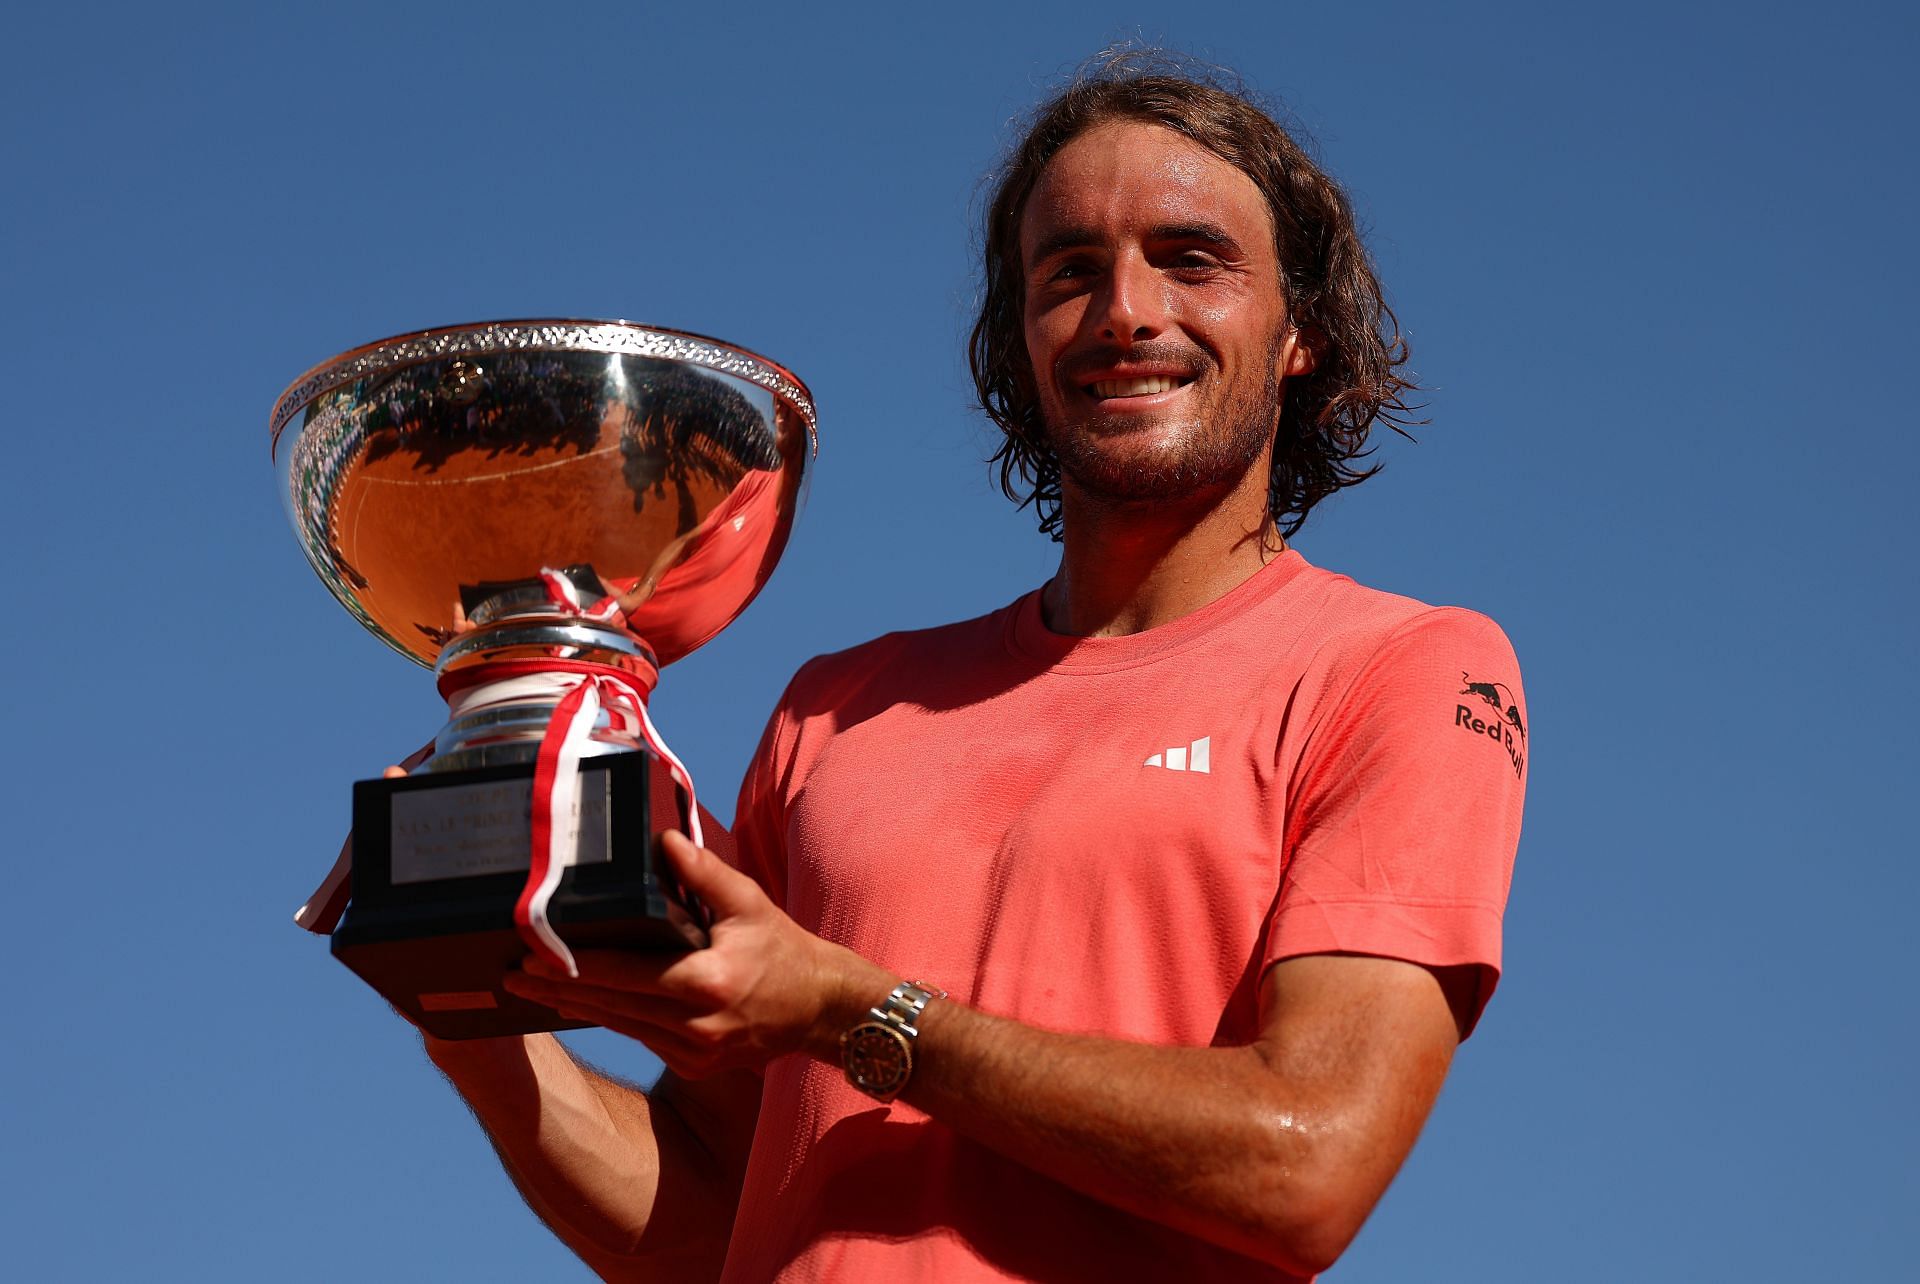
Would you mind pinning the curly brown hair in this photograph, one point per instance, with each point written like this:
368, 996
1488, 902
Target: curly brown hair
1332, 294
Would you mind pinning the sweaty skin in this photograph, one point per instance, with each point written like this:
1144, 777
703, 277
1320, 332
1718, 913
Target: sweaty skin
1277, 1150
1145, 255
1157, 330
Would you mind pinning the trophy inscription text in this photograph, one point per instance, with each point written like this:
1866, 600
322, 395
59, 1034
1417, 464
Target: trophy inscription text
483, 828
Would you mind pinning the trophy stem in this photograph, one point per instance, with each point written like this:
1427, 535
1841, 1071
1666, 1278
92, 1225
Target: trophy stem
505, 676
540, 678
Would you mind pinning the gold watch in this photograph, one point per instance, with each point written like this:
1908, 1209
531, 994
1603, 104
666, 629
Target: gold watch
877, 1054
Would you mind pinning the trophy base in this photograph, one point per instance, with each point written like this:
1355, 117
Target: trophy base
439, 861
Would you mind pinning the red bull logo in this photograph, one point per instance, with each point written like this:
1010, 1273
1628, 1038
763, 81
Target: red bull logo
1499, 726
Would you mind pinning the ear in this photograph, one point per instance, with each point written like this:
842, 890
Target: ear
1297, 355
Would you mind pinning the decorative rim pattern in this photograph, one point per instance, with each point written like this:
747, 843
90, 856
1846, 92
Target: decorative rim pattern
550, 336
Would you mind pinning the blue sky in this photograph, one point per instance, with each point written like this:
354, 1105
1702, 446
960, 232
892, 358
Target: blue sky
1656, 264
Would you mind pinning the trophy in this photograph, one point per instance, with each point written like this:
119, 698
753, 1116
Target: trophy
545, 513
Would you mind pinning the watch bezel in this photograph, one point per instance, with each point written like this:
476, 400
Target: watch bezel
857, 1055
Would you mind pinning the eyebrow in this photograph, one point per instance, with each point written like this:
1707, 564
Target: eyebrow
1074, 238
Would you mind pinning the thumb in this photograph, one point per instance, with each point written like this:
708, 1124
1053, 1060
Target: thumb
724, 889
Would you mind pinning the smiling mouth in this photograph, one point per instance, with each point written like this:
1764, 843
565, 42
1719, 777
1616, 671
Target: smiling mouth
1106, 389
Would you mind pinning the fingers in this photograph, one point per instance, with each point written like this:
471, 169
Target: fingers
663, 1025
731, 1005
688, 984
724, 889
600, 1003
632, 970
696, 982
394, 773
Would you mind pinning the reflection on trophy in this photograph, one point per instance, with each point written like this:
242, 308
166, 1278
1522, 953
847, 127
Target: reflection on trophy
546, 512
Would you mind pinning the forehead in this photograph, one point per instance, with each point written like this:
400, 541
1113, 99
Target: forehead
1126, 177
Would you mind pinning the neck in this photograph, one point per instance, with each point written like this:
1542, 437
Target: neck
1129, 567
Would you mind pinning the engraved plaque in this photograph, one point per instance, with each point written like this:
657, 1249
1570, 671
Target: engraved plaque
462, 831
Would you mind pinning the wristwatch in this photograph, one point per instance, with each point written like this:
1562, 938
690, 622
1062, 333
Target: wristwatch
878, 1054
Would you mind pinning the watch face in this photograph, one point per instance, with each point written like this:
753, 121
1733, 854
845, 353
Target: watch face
877, 1058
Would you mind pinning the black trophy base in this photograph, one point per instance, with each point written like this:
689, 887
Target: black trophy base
439, 861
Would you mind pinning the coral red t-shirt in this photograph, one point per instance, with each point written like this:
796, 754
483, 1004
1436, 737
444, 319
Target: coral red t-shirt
1109, 836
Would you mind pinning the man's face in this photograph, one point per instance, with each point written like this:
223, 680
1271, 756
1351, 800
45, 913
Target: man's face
1155, 319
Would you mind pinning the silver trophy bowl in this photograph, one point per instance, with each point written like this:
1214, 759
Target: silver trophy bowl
432, 477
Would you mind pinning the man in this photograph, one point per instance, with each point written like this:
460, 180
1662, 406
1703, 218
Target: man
1207, 847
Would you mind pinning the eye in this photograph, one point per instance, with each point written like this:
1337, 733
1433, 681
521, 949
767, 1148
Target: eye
1193, 261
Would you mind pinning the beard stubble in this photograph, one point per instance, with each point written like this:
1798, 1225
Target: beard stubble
1206, 457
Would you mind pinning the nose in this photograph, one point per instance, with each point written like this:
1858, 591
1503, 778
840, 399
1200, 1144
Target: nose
1133, 305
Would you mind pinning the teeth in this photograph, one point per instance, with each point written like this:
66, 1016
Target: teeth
1134, 387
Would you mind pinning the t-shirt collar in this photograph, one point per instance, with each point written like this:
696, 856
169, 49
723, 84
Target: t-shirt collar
1027, 633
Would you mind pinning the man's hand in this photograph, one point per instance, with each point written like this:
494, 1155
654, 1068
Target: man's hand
763, 988
1277, 1149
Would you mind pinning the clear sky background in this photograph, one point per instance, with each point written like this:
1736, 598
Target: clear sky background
1656, 261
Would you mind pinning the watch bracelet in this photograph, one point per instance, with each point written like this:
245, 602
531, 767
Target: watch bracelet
904, 1004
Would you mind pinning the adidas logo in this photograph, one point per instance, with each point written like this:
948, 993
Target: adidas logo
1197, 756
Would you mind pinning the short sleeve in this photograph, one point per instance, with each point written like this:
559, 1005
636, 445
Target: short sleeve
1404, 810
759, 817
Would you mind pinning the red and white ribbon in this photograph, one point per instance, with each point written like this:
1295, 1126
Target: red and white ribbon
565, 594
586, 691
556, 798
556, 792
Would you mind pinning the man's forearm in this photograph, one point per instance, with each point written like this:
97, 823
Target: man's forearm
588, 1154
1190, 1137
1277, 1150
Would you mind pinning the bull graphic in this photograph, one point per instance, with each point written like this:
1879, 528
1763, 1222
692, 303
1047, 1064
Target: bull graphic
1500, 696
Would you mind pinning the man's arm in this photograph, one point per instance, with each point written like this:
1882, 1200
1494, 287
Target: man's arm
642, 1186
1278, 1150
